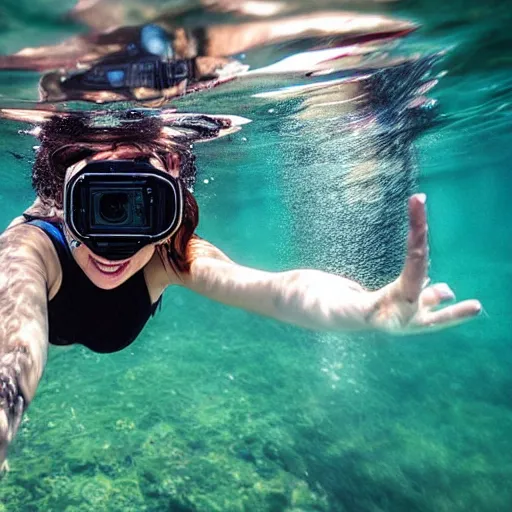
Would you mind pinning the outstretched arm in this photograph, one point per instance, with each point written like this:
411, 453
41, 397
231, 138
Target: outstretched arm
323, 301
23, 326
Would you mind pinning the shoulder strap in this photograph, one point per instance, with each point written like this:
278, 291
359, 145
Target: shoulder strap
57, 237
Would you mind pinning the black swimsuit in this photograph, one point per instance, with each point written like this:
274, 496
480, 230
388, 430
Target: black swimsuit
102, 320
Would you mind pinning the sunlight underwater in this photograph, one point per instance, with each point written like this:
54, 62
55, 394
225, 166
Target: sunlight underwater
214, 409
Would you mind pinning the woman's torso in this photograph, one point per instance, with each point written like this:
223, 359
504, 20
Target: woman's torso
80, 312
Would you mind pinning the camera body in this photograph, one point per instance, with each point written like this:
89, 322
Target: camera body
126, 73
116, 207
148, 62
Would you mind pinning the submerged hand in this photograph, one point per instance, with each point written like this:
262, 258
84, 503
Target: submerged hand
406, 306
11, 412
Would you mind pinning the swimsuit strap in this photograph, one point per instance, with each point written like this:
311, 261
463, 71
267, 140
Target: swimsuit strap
56, 235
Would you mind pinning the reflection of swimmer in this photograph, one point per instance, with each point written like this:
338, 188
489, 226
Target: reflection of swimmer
152, 66
161, 60
363, 175
89, 261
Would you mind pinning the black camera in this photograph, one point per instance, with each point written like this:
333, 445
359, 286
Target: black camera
148, 63
116, 207
126, 74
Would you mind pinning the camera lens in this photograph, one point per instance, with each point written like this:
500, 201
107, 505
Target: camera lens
113, 207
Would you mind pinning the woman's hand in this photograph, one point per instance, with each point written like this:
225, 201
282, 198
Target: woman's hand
10, 419
407, 306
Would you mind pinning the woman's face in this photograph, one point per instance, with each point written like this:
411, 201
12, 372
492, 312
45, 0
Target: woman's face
107, 274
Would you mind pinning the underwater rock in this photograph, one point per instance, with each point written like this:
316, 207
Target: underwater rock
108, 470
271, 451
247, 455
276, 502
304, 498
267, 471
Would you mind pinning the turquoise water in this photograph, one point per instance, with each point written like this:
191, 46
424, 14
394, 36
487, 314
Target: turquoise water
215, 409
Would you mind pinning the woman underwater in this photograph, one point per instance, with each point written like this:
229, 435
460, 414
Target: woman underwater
65, 278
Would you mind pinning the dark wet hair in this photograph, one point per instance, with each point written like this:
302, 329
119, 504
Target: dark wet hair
65, 140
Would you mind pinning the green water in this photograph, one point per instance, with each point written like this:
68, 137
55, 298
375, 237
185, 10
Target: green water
215, 409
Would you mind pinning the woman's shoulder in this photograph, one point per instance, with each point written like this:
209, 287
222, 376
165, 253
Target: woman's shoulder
21, 226
21, 234
24, 241
16, 222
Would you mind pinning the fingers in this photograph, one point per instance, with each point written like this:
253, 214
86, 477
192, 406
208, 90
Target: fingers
4, 432
416, 262
435, 295
18, 415
451, 315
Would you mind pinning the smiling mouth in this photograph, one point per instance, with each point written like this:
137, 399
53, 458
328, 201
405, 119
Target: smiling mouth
111, 270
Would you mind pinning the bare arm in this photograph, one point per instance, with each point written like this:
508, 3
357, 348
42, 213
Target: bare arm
300, 297
319, 300
23, 325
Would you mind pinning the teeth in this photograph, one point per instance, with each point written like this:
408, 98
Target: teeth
107, 268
